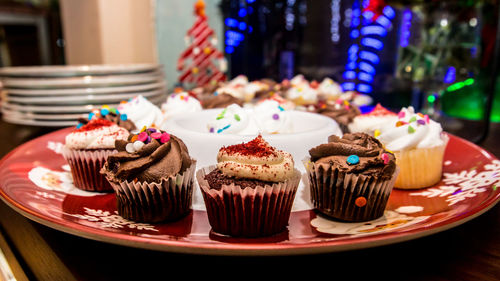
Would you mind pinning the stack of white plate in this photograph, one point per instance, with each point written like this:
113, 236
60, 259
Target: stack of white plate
59, 95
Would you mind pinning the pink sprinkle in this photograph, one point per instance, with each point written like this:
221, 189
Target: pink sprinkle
426, 117
385, 157
156, 135
142, 136
401, 114
165, 137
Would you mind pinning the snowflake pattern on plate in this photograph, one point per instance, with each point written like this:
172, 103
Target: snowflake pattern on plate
107, 219
465, 184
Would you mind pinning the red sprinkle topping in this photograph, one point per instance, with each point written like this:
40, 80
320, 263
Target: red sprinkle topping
95, 124
379, 110
257, 147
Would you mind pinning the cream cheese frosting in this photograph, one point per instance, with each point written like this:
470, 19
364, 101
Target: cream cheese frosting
272, 118
302, 94
142, 112
233, 120
411, 130
97, 134
255, 160
329, 89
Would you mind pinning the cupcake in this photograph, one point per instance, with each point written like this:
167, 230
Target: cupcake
419, 145
329, 89
141, 112
86, 150
373, 121
250, 191
111, 114
180, 103
233, 120
220, 101
341, 111
271, 118
351, 178
302, 94
152, 176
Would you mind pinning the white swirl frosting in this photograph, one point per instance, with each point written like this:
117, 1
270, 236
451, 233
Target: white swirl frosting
233, 120
180, 103
142, 112
412, 130
329, 89
265, 163
302, 94
102, 137
272, 118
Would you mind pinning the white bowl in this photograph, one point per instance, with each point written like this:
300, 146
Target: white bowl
310, 130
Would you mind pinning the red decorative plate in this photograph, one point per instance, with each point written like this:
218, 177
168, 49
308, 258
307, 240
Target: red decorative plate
34, 182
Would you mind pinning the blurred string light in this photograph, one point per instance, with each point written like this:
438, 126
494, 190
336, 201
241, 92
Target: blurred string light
450, 75
459, 85
405, 28
237, 28
334, 23
368, 31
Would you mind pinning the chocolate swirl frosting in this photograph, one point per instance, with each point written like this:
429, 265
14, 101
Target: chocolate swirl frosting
342, 114
152, 162
374, 160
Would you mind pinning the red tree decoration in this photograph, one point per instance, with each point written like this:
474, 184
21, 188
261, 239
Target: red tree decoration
376, 7
201, 52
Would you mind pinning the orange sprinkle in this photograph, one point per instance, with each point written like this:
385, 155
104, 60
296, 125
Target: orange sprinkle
360, 201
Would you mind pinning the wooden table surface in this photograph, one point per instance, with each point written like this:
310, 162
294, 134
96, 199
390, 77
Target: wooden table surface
470, 251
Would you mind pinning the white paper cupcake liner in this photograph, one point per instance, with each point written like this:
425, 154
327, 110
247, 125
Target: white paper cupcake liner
167, 200
347, 196
85, 168
248, 212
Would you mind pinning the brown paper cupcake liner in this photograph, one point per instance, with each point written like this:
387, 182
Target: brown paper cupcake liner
85, 168
167, 200
345, 196
248, 212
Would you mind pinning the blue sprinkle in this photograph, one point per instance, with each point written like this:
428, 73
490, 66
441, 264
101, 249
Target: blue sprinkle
225, 128
104, 112
79, 125
123, 117
352, 160
281, 108
216, 93
91, 115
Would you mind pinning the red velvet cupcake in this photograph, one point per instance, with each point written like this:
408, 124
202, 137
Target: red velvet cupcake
250, 192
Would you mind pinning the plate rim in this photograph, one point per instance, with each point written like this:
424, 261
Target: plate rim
76, 70
255, 249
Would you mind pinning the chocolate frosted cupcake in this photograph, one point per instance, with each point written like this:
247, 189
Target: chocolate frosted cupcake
351, 177
251, 190
220, 101
109, 113
341, 111
152, 176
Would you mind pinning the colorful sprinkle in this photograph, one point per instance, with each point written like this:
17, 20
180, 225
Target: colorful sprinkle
352, 159
133, 138
211, 130
156, 135
151, 130
385, 157
165, 137
225, 128
413, 119
401, 114
360, 201
411, 130
137, 145
91, 115
420, 122
426, 117
237, 117
276, 116
142, 137
281, 108
400, 123
123, 117
104, 112
130, 147
79, 125
420, 114
143, 129
376, 133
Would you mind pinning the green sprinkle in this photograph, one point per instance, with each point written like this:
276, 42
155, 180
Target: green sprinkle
237, 117
411, 130
219, 117
413, 119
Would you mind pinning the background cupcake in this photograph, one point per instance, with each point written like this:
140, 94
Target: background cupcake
351, 177
152, 176
419, 145
251, 190
342, 111
141, 112
372, 121
86, 150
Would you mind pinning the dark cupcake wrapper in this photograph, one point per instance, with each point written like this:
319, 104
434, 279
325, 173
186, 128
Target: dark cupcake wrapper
167, 200
85, 168
248, 212
347, 196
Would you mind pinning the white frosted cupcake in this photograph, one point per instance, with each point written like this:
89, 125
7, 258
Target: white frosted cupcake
372, 121
419, 145
329, 89
302, 94
179, 103
141, 112
272, 118
233, 120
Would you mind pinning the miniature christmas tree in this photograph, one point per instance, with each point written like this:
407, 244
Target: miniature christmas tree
201, 63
